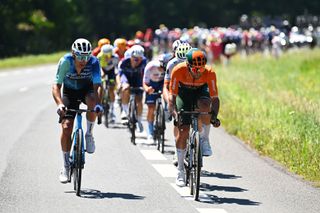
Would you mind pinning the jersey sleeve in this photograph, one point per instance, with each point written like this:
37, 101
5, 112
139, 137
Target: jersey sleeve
146, 74
212, 84
63, 67
174, 83
96, 76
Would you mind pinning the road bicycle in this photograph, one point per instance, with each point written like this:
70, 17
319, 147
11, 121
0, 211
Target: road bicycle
193, 158
159, 123
77, 156
132, 114
105, 102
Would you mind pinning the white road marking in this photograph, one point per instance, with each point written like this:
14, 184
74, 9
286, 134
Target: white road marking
166, 170
23, 89
152, 155
211, 210
183, 191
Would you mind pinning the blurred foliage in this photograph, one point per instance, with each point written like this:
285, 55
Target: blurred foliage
39, 26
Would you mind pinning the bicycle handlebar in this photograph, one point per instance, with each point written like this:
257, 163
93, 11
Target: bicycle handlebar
156, 93
193, 113
133, 89
78, 111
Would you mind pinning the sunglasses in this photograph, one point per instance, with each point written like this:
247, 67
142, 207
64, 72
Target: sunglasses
197, 69
136, 59
82, 57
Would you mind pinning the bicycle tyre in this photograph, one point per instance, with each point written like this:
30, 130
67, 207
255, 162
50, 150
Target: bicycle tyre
106, 114
77, 173
198, 163
192, 163
162, 127
132, 121
187, 164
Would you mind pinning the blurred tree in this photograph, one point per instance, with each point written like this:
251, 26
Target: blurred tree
38, 26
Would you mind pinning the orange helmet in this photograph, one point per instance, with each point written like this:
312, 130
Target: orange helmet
197, 60
120, 42
103, 41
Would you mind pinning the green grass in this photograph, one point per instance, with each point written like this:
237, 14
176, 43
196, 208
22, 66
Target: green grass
30, 60
274, 105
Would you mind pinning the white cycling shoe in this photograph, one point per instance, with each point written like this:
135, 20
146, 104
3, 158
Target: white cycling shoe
90, 146
180, 180
64, 175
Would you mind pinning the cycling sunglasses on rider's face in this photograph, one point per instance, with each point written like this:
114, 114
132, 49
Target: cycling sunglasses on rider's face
83, 57
136, 59
196, 69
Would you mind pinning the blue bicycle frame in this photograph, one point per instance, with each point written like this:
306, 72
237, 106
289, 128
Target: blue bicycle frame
78, 127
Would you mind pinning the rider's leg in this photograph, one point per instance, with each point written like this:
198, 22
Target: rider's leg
65, 139
150, 119
181, 139
91, 117
111, 97
139, 111
125, 96
204, 105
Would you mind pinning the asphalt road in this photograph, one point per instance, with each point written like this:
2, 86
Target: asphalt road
121, 177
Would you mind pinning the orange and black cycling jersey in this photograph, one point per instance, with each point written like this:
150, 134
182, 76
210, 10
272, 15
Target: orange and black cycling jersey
181, 77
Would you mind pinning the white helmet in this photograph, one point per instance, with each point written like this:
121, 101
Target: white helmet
175, 44
107, 49
182, 50
137, 51
81, 46
230, 48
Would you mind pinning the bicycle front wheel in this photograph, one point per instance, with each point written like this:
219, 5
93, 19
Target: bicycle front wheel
77, 167
161, 128
197, 165
132, 121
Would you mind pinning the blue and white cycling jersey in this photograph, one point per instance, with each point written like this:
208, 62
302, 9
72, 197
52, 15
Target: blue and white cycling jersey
68, 76
131, 75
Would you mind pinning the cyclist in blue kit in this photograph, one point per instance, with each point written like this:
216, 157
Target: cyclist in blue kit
131, 71
79, 73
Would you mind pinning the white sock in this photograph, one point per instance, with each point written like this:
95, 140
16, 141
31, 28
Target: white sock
125, 108
89, 127
66, 161
111, 106
206, 130
202, 133
181, 154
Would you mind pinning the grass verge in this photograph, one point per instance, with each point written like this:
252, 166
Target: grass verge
31, 60
274, 105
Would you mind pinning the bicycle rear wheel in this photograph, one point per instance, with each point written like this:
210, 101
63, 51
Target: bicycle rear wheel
77, 162
132, 121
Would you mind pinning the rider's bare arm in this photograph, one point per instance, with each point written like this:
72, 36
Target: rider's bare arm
56, 93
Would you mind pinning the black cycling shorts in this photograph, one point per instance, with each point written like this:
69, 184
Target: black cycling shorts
73, 98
